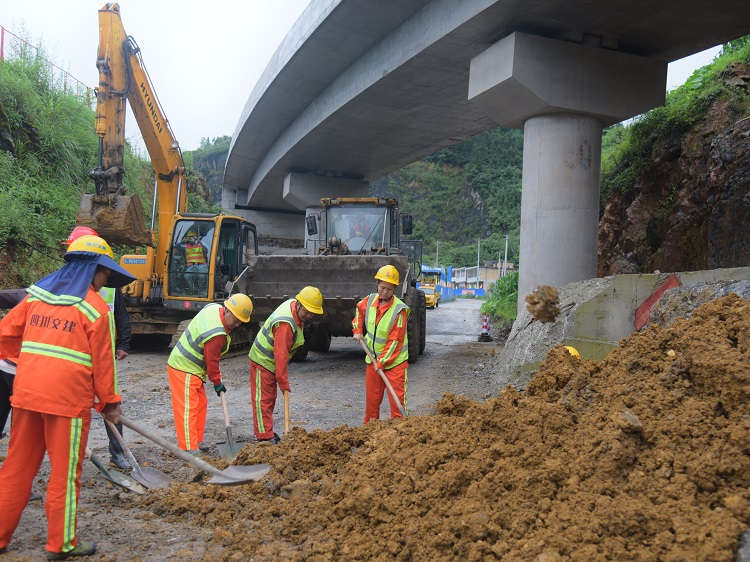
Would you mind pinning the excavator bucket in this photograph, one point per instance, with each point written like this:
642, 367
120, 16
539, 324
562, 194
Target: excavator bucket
116, 218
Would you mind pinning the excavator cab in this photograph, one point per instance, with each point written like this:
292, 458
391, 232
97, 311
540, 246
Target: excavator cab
207, 253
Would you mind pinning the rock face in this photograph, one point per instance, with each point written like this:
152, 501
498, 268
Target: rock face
689, 210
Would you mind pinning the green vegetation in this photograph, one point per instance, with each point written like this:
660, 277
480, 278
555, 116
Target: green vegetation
467, 197
628, 151
47, 147
502, 300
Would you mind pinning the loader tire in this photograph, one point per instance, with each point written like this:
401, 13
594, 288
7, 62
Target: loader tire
422, 321
412, 326
300, 354
320, 340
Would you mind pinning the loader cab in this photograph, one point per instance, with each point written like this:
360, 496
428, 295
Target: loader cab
368, 226
206, 253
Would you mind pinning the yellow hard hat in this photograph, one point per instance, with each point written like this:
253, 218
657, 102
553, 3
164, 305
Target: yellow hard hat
388, 273
94, 244
192, 234
573, 351
241, 306
312, 299
95, 250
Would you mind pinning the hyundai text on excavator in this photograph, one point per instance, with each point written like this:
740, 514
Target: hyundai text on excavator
191, 257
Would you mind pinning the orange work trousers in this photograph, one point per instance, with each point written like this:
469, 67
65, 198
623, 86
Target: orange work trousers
263, 389
189, 407
64, 440
375, 387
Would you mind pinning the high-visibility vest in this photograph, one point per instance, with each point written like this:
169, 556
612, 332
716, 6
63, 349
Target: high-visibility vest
187, 356
377, 333
262, 350
194, 254
108, 294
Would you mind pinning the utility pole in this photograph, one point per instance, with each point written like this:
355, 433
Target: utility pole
479, 243
505, 260
437, 254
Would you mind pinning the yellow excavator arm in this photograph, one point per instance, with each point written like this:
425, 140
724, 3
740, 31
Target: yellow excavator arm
115, 215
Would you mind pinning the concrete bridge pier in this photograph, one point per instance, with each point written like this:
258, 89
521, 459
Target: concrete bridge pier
562, 93
559, 199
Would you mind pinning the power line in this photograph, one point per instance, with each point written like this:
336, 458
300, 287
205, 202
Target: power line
4, 30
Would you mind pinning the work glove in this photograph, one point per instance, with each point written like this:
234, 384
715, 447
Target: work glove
219, 388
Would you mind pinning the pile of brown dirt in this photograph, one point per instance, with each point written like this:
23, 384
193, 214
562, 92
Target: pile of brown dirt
543, 303
643, 456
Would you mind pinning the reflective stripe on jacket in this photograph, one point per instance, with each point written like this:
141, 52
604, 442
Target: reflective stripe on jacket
66, 354
262, 350
194, 254
187, 355
377, 334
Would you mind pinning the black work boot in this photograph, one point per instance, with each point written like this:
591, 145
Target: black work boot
273, 440
118, 456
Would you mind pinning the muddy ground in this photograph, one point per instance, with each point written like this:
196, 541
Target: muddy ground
327, 393
643, 456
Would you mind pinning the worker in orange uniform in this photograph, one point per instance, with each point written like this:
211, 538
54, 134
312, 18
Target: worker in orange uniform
123, 334
380, 320
195, 357
273, 347
62, 334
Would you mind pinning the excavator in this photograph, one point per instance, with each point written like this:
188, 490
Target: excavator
191, 259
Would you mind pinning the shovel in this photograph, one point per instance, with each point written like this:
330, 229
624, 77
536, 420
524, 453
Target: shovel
229, 448
385, 379
286, 412
230, 476
114, 476
150, 477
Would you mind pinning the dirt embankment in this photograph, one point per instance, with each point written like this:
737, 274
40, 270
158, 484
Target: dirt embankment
643, 456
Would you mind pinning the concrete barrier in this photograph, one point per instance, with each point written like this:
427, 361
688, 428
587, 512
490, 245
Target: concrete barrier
596, 315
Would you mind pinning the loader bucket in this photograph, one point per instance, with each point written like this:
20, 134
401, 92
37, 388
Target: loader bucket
116, 218
343, 280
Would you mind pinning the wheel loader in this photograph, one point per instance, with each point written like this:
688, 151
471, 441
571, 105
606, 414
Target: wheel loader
351, 239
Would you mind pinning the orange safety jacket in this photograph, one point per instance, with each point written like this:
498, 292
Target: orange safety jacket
194, 254
66, 353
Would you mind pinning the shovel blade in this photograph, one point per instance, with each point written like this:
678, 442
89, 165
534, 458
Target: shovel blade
230, 448
119, 479
151, 478
236, 475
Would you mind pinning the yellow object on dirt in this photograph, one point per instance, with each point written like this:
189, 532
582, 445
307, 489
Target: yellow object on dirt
573, 351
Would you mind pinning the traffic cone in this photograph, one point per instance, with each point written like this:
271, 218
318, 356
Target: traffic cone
485, 335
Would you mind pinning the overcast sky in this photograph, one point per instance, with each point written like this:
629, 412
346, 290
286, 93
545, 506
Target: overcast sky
203, 57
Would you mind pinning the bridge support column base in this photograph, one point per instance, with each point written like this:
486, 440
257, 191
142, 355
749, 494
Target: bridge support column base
559, 201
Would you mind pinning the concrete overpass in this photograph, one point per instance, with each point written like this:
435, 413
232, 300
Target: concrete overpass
361, 88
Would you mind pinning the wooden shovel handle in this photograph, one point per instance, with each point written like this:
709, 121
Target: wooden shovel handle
385, 379
224, 407
286, 411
